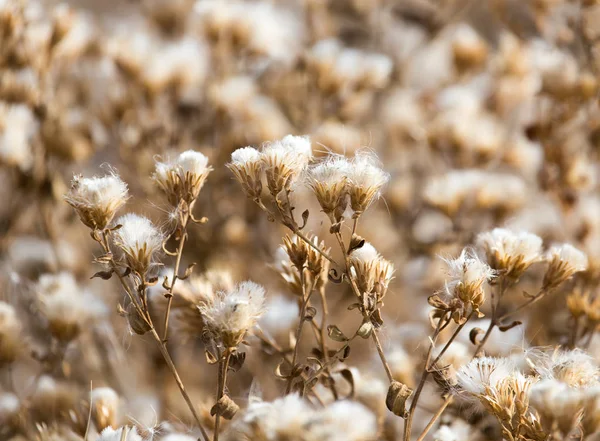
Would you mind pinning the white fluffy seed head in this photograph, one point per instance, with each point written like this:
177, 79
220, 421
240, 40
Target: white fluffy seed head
139, 240
244, 156
105, 405
97, 199
464, 289
331, 171
563, 261
192, 162
246, 166
280, 316
9, 406
372, 272
365, 254
510, 252
575, 368
473, 378
365, 181
468, 269
332, 422
110, 434
285, 161
283, 418
183, 177
64, 305
231, 314
178, 437
328, 180
18, 127
292, 417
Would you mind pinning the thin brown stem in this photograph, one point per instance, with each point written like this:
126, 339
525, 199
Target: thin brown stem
305, 299
143, 313
414, 402
323, 327
386, 366
428, 368
435, 417
502, 287
298, 233
165, 353
531, 301
175, 275
222, 383
356, 290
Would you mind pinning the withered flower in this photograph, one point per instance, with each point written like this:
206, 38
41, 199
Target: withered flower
96, 200
139, 240
183, 178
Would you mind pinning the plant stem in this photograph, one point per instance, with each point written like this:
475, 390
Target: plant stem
298, 233
175, 274
427, 371
324, 348
161, 346
305, 299
386, 366
223, 368
494, 320
435, 417
531, 301
413, 404
165, 353
374, 334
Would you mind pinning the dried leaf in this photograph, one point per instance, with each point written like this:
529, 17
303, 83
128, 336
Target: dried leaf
474, 333
347, 375
278, 372
334, 277
225, 407
345, 354
355, 243
311, 311
397, 396
104, 275
505, 328
365, 330
210, 357
188, 271
305, 215
336, 334
236, 361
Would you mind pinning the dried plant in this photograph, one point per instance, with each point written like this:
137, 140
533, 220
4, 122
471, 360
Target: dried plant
324, 220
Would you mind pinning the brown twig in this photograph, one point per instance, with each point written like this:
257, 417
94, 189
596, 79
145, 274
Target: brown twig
144, 314
222, 382
169, 295
305, 299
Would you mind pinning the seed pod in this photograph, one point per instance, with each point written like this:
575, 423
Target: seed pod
397, 396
